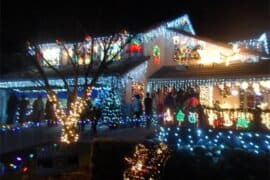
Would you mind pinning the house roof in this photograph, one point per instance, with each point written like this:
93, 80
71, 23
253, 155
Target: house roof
218, 43
114, 69
236, 70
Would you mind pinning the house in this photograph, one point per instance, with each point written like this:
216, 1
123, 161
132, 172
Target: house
171, 55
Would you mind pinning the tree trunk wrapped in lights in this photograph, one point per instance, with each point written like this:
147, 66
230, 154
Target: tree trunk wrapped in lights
76, 104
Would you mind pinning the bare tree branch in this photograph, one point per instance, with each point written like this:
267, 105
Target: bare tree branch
90, 64
54, 69
74, 66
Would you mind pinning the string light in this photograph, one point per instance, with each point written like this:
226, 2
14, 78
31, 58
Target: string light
214, 140
146, 162
69, 119
266, 119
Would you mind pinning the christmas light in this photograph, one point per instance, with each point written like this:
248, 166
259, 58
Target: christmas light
146, 162
168, 117
156, 54
25, 169
242, 122
214, 140
260, 44
266, 119
193, 117
180, 116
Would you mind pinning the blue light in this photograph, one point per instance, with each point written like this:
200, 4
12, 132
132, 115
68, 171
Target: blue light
249, 134
266, 142
230, 132
162, 129
218, 152
189, 136
31, 156
189, 129
206, 137
210, 130
175, 134
257, 135
256, 151
222, 146
229, 137
220, 133
199, 132
251, 143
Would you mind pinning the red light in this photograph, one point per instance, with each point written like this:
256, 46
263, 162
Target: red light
25, 169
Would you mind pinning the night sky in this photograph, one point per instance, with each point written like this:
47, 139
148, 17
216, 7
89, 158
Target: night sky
46, 20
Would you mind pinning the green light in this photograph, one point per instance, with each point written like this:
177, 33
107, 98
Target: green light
31, 156
242, 122
180, 116
156, 51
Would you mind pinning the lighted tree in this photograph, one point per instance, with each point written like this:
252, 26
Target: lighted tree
98, 62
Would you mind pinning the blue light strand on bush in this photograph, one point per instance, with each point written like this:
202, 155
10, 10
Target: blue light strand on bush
209, 139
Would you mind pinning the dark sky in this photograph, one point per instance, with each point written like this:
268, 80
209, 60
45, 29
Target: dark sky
46, 20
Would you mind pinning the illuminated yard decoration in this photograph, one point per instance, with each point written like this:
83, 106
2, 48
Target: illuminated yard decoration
193, 117
211, 117
184, 54
266, 119
76, 104
168, 118
180, 116
242, 122
146, 163
226, 118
